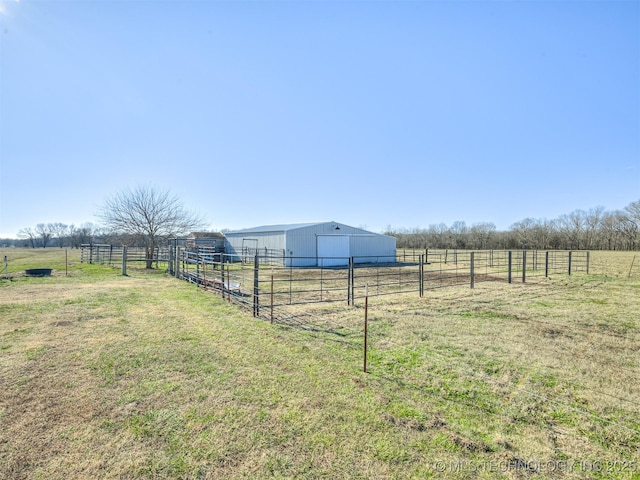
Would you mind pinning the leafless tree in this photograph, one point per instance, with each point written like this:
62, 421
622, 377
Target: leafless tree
628, 229
609, 230
542, 233
60, 231
149, 214
593, 224
523, 232
633, 210
571, 226
481, 234
82, 234
28, 234
459, 233
45, 232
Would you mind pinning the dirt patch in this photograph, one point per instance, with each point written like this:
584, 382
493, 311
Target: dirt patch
63, 323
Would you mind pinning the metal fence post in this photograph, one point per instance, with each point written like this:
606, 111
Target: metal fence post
198, 268
524, 266
349, 283
353, 281
222, 278
204, 272
471, 272
569, 262
421, 276
171, 272
124, 261
256, 290
546, 264
588, 262
366, 314
509, 263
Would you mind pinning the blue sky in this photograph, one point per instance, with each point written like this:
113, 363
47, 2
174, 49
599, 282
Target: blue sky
376, 114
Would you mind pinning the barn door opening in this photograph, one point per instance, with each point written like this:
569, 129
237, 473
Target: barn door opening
333, 250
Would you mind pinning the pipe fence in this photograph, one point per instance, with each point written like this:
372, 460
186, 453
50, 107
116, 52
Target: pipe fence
113, 254
265, 285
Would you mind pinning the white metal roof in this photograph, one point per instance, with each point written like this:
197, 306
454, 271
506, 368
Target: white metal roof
278, 228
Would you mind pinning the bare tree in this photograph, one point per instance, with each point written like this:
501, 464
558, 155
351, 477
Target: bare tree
28, 234
542, 231
593, 225
59, 232
524, 230
481, 233
81, 235
459, 233
440, 234
45, 231
609, 230
633, 211
571, 226
628, 229
149, 214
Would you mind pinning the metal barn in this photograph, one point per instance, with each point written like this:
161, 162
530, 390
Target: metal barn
312, 244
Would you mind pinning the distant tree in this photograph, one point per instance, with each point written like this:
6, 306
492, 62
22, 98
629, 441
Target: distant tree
542, 233
628, 229
633, 211
481, 234
150, 215
29, 235
84, 234
60, 232
609, 230
571, 226
440, 235
44, 231
524, 231
459, 234
592, 226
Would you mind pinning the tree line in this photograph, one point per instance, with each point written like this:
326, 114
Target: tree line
594, 229
45, 235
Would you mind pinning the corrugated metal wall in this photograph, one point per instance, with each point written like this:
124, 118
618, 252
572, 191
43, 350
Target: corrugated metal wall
265, 240
373, 248
302, 244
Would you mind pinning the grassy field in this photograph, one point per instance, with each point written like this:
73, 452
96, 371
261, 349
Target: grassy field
144, 376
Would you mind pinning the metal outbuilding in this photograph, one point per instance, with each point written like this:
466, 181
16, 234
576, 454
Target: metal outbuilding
312, 244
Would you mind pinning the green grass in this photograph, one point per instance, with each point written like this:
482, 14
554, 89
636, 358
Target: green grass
105, 376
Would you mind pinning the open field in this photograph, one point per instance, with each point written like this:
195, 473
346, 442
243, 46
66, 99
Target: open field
105, 376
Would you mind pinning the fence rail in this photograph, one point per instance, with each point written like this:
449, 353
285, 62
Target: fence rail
113, 254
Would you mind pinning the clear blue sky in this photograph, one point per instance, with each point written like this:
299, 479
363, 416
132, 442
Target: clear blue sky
400, 113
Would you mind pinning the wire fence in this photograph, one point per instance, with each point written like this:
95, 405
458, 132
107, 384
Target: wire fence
113, 255
265, 281
266, 285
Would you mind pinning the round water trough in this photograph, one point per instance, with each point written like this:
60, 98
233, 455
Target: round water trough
38, 272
